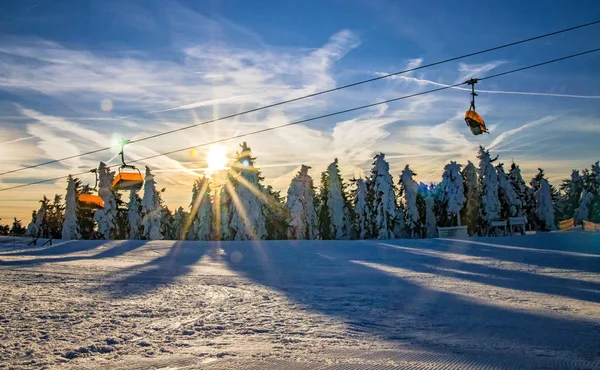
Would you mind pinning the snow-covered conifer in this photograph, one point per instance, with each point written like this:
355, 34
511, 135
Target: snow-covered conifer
582, 212
151, 209
106, 218
408, 193
453, 191
488, 185
300, 204
362, 210
134, 209
337, 205
70, 227
178, 224
470, 212
383, 207
247, 215
509, 199
200, 218
544, 205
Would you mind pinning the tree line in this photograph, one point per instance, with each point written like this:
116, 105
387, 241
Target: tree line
374, 207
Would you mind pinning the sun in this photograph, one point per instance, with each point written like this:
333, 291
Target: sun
216, 159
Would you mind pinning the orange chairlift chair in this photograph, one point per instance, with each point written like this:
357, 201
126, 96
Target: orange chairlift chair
91, 201
127, 180
472, 118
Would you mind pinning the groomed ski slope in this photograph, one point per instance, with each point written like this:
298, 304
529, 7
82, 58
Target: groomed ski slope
485, 303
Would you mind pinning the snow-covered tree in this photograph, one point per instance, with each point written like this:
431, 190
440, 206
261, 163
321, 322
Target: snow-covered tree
151, 209
300, 204
134, 209
55, 217
453, 191
223, 209
408, 194
247, 214
489, 209
383, 206
70, 227
362, 209
582, 212
178, 224
544, 205
33, 229
591, 181
509, 199
276, 215
521, 190
470, 212
200, 218
571, 192
334, 213
106, 218
430, 219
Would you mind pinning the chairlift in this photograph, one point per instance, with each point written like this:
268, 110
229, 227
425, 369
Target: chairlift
131, 179
472, 118
91, 201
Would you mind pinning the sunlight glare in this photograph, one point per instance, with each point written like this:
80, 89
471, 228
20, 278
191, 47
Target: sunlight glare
216, 158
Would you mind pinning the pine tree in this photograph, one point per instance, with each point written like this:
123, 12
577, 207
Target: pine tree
524, 194
166, 222
362, 198
55, 217
383, 194
4, 229
510, 202
544, 205
17, 228
151, 209
473, 197
582, 212
180, 219
300, 205
41, 219
592, 186
488, 184
408, 194
276, 215
106, 218
334, 212
571, 193
70, 227
452, 191
201, 215
85, 216
223, 211
247, 210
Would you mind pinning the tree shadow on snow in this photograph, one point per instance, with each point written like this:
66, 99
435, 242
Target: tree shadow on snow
60, 248
575, 251
338, 279
143, 278
119, 248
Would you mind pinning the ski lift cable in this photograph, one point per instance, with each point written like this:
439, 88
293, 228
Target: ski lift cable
327, 115
309, 96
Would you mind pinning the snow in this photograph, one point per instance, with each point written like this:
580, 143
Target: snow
151, 209
300, 204
518, 302
70, 229
384, 205
453, 192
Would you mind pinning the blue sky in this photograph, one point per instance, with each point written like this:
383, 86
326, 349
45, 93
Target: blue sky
165, 64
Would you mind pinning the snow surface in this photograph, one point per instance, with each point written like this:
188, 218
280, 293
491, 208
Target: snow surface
497, 303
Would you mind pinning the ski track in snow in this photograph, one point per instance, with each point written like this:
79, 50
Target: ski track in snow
485, 303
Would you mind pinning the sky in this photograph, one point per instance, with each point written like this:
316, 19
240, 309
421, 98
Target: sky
80, 75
